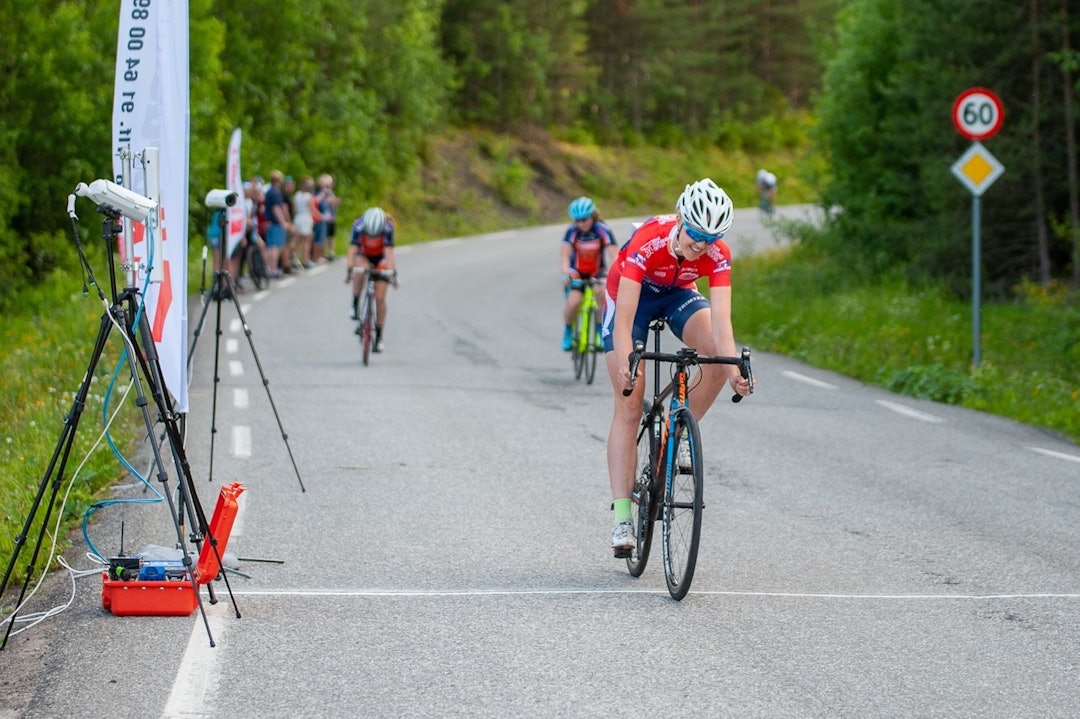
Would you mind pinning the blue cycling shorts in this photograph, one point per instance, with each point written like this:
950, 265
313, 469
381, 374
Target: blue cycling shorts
675, 307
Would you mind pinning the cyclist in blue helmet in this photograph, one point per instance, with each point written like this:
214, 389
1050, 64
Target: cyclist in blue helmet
588, 249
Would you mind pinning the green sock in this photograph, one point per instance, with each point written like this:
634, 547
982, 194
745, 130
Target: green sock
622, 509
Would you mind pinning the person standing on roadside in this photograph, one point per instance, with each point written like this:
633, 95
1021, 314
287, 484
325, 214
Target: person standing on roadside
304, 217
279, 224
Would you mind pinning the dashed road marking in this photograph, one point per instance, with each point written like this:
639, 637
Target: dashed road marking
908, 411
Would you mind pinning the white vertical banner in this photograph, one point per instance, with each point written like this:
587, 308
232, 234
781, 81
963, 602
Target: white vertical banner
236, 215
151, 109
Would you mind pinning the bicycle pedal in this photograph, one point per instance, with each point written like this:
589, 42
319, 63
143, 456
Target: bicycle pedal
623, 552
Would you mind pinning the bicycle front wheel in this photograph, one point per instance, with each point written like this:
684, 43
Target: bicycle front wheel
589, 340
367, 328
645, 497
683, 506
575, 351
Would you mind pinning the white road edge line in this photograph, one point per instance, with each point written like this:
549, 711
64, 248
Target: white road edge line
1056, 455
908, 411
808, 380
197, 676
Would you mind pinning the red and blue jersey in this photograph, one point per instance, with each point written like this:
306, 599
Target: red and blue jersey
647, 258
587, 248
372, 247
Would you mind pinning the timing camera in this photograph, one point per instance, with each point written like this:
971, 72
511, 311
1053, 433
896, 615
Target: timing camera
220, 198
130, 204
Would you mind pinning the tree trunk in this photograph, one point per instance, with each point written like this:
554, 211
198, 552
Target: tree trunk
1041, 233
1070, 145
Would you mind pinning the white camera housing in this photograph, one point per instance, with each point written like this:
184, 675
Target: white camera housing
220, 198
130, 204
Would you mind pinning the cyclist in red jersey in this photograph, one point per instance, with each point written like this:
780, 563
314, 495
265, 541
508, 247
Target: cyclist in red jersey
371, 247
588, 249
656, 277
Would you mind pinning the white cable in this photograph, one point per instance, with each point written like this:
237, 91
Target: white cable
75, 574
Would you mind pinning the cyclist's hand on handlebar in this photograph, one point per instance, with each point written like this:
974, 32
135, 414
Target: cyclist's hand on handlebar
743, 382
632, 372
741, 385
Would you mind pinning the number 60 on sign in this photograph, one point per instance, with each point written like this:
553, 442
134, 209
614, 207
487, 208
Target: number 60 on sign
978, 113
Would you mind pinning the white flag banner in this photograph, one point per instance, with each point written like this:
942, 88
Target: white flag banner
237, 214
151, 109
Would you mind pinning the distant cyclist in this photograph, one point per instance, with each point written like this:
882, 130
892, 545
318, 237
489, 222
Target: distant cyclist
766, 189
588, 249
655, 277
371, 247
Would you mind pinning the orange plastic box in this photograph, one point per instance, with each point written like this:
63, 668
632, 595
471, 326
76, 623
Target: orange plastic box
175, 597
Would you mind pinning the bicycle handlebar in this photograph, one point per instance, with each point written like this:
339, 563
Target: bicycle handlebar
688, 356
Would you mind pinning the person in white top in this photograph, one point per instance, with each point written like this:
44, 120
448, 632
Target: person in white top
304, 216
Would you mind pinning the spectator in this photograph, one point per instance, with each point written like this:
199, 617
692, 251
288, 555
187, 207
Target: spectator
304, 215
278, 223
322, 248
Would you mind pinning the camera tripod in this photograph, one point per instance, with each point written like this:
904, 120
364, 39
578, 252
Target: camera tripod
126, 315
221, 287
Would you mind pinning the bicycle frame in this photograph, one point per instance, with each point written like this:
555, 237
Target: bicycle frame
586, 345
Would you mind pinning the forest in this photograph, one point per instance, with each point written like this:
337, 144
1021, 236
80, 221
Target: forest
358, 88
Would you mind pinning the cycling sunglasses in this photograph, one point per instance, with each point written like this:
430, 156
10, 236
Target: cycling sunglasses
699, 236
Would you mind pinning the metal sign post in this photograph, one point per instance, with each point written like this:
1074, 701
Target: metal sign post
977, 114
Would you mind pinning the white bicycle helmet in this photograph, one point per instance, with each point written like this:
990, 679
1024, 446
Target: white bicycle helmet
706, 208
374, 221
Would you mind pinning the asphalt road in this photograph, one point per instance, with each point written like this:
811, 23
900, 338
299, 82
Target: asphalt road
863, 554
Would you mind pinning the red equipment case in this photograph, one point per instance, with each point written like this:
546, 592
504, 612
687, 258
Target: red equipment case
175, 597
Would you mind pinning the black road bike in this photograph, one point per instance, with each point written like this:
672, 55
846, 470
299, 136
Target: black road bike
665, 488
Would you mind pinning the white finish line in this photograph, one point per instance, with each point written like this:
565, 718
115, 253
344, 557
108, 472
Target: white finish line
659, 592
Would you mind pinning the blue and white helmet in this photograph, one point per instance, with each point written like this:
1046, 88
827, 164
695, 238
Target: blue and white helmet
706, 208
581, 208
374, 222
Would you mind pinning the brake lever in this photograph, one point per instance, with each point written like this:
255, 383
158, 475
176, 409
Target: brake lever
745, 372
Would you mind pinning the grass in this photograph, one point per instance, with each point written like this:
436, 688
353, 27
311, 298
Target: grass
918, 340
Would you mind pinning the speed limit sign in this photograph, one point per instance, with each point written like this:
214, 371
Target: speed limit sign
978, 113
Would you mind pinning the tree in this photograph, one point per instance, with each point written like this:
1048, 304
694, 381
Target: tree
884, 127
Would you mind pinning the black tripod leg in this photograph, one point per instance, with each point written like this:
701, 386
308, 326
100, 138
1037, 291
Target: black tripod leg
265, 381
59, 457
215, 297
187, 491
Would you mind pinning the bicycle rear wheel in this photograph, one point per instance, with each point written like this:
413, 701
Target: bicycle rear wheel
645, 499
683, 505
367, 327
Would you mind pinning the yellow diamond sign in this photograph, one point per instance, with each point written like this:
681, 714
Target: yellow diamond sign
977, 169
